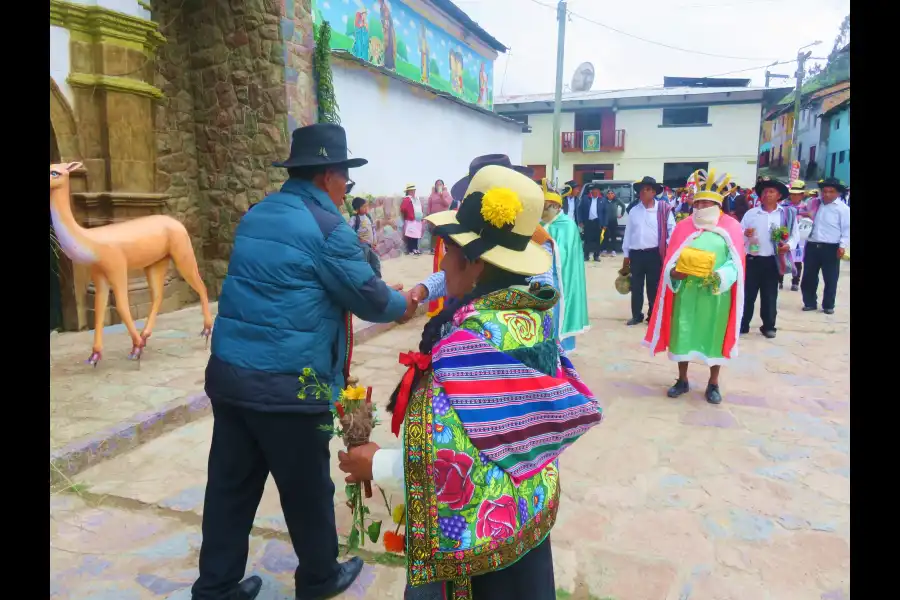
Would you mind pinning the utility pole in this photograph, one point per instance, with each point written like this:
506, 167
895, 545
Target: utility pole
770, 75
557, 103
798, 93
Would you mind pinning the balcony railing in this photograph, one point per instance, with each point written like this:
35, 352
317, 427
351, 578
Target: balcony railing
572, 142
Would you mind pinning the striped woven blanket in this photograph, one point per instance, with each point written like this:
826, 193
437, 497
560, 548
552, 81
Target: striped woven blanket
520, 418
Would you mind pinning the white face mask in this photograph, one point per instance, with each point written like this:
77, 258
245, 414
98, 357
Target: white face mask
438, 188
706, 218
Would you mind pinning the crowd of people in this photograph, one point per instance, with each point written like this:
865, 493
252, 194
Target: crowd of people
490, 399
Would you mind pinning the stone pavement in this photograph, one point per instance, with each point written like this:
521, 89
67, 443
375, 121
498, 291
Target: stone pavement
666, 500
98, 413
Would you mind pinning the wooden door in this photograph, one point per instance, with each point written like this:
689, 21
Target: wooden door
540, 171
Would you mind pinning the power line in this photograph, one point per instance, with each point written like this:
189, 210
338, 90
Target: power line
648, 41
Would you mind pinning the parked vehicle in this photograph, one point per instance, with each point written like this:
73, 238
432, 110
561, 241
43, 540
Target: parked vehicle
624, 196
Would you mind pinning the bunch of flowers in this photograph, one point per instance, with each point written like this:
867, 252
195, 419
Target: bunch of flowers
394, 541
780, 234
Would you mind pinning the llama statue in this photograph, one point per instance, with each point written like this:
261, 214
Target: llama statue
112, 250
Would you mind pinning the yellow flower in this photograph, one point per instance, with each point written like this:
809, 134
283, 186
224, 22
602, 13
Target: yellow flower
354, 393
500, 206
399, 514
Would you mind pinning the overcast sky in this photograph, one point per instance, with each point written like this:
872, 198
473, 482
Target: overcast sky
761, 31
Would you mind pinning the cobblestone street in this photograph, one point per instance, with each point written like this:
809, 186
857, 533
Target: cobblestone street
666, 500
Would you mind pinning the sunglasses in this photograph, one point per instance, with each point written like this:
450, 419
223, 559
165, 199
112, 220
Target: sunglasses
350, 184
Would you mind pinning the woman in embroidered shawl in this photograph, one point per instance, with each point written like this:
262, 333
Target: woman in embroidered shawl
479, 464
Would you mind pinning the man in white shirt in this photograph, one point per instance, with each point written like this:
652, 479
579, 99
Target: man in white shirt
827, 243
763, 273
644, 244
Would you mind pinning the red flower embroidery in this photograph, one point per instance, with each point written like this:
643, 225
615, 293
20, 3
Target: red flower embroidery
497, 518
452, 479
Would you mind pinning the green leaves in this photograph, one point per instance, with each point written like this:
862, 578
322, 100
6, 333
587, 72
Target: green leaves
353, 541
374, 530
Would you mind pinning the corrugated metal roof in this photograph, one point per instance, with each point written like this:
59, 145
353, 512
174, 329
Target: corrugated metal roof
592, 95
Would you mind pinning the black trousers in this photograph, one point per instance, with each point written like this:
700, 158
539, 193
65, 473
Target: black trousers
412, 244
762, 280
531, 578
246, 446
609, 240
795, 279
592, 238
820, 257
646, 266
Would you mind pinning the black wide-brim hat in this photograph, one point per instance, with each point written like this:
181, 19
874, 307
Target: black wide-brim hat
320, 145
833, 182
458, 191
637, 185
768, 182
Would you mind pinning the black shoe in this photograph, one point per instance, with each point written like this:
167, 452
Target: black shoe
248, 589
809, 308
780, 286
828, 311
587, 259
681, 387
635, 321
768, 334
795, 287
713, 396
347, 574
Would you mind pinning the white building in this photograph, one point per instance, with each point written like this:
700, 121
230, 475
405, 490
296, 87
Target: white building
665, 133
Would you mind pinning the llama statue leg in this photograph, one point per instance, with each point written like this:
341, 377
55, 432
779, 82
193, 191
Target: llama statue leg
118, 280
156, 279
101, 301
186, 263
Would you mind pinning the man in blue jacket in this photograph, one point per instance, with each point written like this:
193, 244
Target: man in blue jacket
296, 273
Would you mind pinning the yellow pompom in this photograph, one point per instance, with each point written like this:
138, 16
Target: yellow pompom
354, 393
399, 514
500, 207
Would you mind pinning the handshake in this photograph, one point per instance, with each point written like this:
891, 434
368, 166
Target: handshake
414, 298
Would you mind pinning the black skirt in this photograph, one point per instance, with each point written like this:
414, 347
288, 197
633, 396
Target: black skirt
531, 577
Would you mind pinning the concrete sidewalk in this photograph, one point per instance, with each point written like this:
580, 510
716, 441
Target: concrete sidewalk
96, 413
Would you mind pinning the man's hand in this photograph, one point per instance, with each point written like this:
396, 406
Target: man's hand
357, 462
414, 298
750, 231
783, 248
626, 262
677, 275
396, 286
841, 253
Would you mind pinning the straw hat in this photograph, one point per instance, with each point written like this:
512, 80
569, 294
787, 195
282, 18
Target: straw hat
409, 186
798, 186
495, 222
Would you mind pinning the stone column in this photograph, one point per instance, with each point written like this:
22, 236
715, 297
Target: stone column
112, 64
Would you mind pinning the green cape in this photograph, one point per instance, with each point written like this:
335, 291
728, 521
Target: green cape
568, 276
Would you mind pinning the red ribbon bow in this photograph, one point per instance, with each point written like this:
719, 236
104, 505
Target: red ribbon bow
414, 361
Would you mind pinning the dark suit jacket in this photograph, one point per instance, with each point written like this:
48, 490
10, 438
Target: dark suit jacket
584, 210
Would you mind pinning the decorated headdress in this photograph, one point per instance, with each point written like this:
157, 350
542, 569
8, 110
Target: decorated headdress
708, 187
549, 194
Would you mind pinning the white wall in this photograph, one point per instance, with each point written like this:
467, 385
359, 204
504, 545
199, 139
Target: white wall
729, 144
60, 60
410, 135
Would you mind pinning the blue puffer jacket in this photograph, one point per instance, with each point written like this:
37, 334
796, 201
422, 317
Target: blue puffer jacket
296, 267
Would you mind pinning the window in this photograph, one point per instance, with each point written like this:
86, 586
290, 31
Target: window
841, 157
675, 175
837, 123
678, 117
799, 151
588, 121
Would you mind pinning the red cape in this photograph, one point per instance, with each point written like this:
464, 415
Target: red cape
657, 338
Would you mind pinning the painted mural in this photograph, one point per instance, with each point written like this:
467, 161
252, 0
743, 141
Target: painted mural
388, 33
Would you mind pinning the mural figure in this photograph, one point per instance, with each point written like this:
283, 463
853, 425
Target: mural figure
146, 243
456, 71
482, 87
423, 51
361, 34
376, 51
390, 40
